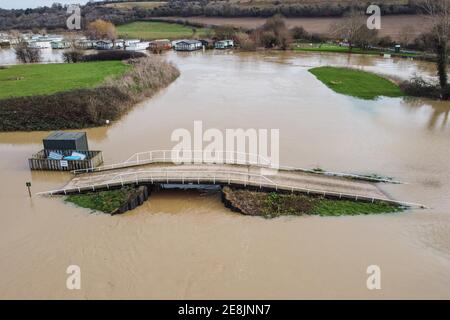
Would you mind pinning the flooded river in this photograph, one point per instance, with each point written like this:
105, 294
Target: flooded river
187, 245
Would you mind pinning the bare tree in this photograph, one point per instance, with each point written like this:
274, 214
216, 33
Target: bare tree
406, 35
26, 54
74, 53
439, 12
350, 28
274, 33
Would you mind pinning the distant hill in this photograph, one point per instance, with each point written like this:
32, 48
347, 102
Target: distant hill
120, 12
289, 8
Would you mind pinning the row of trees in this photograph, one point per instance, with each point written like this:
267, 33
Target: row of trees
271, 8
55, 17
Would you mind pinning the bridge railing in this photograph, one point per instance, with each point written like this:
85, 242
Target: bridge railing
214, 177
218, 157
186, 156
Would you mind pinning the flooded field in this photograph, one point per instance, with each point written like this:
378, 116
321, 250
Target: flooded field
187, 245
8, 56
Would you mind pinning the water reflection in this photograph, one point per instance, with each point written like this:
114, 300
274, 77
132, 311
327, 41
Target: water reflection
438, 111
8, 56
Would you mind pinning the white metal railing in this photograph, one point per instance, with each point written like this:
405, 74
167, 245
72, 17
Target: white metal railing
213, 177
188, 156
219, 157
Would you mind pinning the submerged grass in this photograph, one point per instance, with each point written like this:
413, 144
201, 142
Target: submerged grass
327, 207
356, 83
104, 201
271, 205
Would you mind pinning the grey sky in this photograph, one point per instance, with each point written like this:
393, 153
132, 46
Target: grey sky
23, 4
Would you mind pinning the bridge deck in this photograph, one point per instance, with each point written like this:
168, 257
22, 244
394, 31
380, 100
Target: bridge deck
244, 175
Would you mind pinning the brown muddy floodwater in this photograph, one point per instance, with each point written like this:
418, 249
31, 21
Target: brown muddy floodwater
187, 245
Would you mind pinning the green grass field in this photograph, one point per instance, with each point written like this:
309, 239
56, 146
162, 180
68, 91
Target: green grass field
43, 79
338, 49
360, 84
150, 30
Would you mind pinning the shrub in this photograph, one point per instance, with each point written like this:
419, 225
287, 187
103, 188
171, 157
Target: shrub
418, 87
318, 38
73, 56
273, 33
113, 55
299, 33
385, 42
25, 54
224, 32
244, 41
268, 39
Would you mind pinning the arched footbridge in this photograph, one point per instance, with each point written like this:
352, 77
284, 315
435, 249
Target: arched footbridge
240, 169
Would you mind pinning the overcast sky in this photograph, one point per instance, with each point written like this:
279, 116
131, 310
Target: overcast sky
23, 4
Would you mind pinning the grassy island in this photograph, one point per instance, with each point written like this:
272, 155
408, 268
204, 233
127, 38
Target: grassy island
356, 83
272, 205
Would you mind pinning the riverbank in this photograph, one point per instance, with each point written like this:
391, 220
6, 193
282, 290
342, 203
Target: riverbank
327, 48
272, 205
87, 107
356, 83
